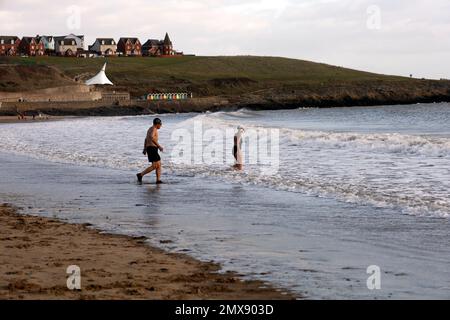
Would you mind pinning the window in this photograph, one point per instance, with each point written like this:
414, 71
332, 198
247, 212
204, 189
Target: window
103, 41
2, 41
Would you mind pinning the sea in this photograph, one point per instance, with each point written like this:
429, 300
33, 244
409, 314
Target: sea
338, 203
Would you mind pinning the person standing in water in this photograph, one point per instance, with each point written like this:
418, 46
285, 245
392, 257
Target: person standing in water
237, 148
151, 147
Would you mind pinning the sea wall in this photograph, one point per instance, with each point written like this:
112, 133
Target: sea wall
78, 92
108, 108
267, 101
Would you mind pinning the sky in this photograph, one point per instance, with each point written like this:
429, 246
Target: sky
400, 37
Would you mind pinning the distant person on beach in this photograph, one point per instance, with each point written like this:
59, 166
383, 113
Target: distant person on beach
151, 147
237, 148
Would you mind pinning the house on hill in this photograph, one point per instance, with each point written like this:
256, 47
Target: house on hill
129, 46
159, 48
9, 45
68, 45
104, 47
152, 48
48, 42
31, 46
79, 40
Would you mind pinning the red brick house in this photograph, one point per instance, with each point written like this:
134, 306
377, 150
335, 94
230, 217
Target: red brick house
129, 47
152, 48
9, 45
159, 48
31, 46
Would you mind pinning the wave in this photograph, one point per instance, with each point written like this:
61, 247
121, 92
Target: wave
369, 142
113, 143
379, 142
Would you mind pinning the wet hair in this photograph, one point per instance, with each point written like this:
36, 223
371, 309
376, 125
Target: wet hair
157, 121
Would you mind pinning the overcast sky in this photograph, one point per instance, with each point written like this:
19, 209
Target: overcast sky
387, 36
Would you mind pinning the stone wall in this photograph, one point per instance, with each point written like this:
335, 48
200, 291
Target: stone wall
103, 108
60, 94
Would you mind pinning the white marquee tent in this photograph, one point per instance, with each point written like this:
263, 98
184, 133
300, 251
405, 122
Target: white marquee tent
99, 78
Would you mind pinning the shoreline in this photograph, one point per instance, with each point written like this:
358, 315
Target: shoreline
14, 119
36, 251
174, 108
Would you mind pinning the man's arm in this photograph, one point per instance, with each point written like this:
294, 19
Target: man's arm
145, 146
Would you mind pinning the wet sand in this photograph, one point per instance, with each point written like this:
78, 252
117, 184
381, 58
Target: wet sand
28, 119
35, 253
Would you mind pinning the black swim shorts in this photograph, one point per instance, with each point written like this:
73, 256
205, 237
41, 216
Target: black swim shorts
152, 154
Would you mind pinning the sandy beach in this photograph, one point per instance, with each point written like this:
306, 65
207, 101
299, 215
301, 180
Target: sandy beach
35, 252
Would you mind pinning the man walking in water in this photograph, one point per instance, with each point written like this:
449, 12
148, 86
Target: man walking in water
151, 147
237, 148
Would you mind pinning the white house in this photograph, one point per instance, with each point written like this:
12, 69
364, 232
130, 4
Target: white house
49, 43
75, 42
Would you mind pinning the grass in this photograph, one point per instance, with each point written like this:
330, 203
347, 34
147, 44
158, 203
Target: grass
144, 74
203, 68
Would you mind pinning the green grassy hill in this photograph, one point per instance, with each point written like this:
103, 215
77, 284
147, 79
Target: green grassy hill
202, 75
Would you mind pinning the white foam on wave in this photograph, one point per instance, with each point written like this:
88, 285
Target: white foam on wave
412, 191
371, 142
116, 143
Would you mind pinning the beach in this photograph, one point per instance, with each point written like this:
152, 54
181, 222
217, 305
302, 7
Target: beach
244, 150
356, 187
29, 119
35, 253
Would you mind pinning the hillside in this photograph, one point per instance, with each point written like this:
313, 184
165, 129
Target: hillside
20, 77
202, 75
243, 81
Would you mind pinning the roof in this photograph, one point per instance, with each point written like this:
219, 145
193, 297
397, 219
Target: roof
9, 38
108, 41
126, 39
47, 38
75, 36
29, 39
78, 39
167, 40
152, 42
71, 36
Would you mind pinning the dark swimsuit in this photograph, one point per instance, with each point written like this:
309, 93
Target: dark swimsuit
152, 154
